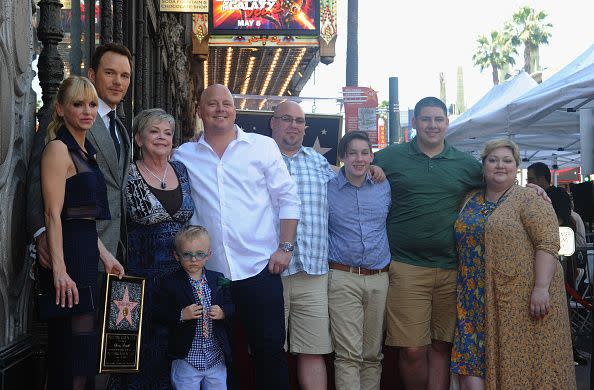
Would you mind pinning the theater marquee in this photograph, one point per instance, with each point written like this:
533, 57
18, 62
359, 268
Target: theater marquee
265, 17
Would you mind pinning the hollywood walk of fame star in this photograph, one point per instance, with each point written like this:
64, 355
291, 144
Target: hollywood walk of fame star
316, 146
125, 307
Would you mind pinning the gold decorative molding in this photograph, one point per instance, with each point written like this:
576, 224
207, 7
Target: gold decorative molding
200, 26
328, 20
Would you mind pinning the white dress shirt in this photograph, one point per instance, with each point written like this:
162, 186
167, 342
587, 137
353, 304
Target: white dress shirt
236, 198
102, 112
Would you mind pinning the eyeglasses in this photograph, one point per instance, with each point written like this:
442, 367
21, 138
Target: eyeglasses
189, 256
290, 119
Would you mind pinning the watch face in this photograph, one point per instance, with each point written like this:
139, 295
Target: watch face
287, 246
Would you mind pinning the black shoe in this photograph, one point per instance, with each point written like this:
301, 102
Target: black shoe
579, 359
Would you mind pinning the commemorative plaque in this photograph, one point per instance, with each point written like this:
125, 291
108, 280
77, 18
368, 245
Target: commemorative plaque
122, 324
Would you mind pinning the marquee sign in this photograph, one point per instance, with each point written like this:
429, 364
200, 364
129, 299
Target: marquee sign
265, 17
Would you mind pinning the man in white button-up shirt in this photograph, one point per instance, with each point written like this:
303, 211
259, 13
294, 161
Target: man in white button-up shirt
240, 186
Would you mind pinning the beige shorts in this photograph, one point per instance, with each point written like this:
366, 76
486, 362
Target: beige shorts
306, 313
421, 305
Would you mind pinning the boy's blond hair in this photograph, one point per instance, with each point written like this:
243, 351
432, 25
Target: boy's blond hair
189, 233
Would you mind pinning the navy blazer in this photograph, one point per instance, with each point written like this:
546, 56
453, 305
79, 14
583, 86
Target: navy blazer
176, 293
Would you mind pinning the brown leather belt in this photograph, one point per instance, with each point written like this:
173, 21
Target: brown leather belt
358, 270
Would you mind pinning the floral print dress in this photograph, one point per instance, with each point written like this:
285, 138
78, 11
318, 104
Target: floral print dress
468, 352
151, 233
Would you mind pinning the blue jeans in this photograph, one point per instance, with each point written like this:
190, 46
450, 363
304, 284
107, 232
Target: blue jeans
259, 302
184, 376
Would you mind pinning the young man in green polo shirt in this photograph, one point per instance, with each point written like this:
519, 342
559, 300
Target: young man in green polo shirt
429, 179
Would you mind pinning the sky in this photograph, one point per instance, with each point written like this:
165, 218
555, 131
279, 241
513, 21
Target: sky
415, 40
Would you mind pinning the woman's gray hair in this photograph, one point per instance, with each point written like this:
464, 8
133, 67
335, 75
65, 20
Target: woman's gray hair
501, 143
147, 117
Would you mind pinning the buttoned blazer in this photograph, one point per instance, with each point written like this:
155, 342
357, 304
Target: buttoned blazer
112, 232
175, 294
115, 173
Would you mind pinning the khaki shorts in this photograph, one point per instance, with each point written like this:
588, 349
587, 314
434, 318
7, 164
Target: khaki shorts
421, 305
306, 313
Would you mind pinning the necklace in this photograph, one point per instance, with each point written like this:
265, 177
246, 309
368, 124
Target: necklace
501, 198
163, 181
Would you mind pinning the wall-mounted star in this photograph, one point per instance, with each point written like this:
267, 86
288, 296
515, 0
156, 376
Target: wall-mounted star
316, 146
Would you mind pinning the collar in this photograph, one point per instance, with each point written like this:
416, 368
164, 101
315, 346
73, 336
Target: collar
302, 150
71, 144
103, 109
413, 148
240, 136
343, 181
196, 281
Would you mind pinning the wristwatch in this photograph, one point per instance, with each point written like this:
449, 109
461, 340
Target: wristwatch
286, 246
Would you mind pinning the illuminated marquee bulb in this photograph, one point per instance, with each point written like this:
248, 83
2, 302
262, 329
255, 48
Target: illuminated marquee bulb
248, 75
228, 66
270, 73
292, 71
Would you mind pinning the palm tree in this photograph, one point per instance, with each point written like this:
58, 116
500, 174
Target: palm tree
495, 51
529, 28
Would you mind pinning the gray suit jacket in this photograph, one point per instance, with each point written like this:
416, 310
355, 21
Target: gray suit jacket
112, 232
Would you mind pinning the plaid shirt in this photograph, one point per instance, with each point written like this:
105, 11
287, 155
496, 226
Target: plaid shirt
311, 172
204, 353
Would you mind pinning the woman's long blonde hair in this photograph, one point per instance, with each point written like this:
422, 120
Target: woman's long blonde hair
72, 88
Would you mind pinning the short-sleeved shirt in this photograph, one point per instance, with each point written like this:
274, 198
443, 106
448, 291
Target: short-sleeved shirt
426, 195
311, 172
357, 223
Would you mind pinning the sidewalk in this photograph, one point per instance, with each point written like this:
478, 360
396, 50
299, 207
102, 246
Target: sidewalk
582, 373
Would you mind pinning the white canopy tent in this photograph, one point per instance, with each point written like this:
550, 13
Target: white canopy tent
544, 121
497, 98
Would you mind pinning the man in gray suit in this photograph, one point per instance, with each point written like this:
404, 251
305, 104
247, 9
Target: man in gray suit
110, 72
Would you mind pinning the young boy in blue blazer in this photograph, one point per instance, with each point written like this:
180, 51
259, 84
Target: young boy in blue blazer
196, 305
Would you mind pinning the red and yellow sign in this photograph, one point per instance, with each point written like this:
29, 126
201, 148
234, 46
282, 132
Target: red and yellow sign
382, 141
360, 107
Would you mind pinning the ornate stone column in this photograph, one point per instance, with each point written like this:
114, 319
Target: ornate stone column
139, 59
106, 22
118, 10
17, 116
51, 67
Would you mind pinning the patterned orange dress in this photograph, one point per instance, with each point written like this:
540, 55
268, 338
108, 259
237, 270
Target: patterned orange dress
521, 352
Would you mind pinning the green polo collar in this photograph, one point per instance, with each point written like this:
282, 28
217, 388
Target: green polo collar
447, 151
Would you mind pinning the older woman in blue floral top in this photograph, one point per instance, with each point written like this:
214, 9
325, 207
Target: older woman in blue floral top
158, 205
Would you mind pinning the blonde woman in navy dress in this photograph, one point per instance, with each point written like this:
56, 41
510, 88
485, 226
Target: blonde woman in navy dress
74, 196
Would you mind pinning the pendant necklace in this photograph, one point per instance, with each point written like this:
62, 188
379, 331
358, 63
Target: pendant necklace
162, 181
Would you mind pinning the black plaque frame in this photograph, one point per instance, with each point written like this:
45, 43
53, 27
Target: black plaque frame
120, 341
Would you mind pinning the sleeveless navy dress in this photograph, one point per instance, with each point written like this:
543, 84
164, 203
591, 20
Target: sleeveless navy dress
72, 341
